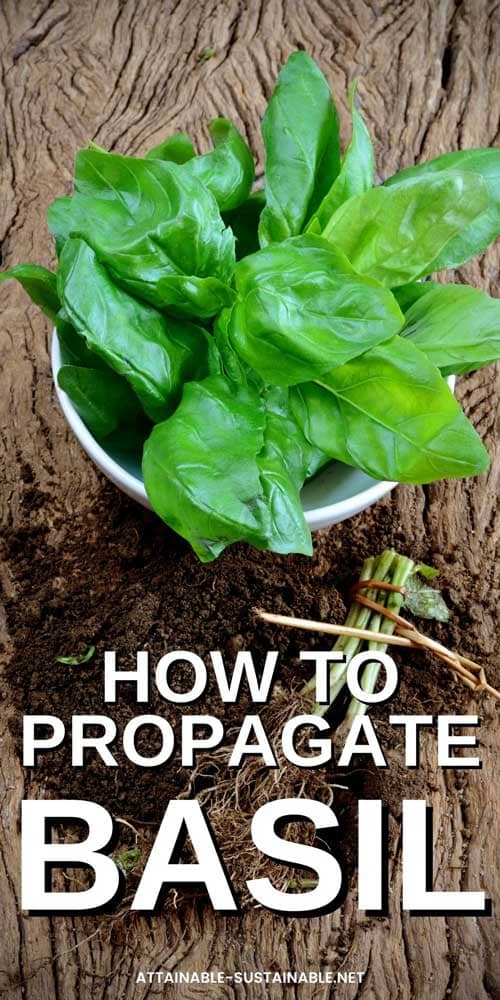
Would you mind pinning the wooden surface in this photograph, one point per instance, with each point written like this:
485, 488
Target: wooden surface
124, 74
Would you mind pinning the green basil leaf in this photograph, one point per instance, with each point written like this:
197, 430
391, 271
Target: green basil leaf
39, 283
244, 222
155, 353
357, 171
396, 233
391, 414
157, 229
229, 170
200, 466
281, 467
74, 350
103, 399
177, 148
406, 295
302, 310
456, 326
41, 286
233, 366
428, 572
228, 466
478, 235
301, 137
285, 462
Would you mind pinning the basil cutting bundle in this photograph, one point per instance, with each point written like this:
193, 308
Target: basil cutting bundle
246, 339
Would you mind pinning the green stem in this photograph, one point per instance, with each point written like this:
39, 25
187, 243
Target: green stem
358, 617
402, 570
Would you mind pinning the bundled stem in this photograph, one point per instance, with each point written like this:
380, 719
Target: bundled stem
401, 569
374, 618
358, 618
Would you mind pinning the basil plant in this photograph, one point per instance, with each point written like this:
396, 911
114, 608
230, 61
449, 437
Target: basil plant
243, 339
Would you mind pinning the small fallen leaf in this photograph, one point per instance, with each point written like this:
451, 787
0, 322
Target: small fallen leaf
206, 54
424, 601
127, 860
430, 572
77, 659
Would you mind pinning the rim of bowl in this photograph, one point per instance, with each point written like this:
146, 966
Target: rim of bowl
352, 505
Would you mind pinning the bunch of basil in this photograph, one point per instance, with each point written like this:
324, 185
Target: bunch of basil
245, 340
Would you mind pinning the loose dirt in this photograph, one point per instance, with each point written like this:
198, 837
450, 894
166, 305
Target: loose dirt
134, 585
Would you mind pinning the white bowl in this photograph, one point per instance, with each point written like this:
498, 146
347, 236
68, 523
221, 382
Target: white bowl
335, 494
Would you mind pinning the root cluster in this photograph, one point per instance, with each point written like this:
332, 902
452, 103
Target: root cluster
232, 796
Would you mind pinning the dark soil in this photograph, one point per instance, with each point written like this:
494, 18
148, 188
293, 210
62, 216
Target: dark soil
125, 582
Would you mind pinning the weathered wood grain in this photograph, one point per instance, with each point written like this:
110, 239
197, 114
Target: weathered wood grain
124, 73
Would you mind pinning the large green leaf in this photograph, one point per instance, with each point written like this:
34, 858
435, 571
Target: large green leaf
103, 399
285, 462
302, 310
176, 148
228, 467
39, 283
157, 229
200, 466
357, 172
73, 346
391, 414
456, 326
477, 236
233, 365
396, 233
155, 353
41, 286
227, 171
301, 138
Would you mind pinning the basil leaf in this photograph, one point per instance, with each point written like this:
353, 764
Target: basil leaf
229, 170
406, 295
39, 283
456, 326
128, 860
216, 471
391, 414
285, 462
244, 222
74, 350
429, 572
41, 286
200, 466
103, 399
301, 137
357, 171
233, 366
177, 148
156, 354
477, 236
157, 229
424, 601
282, 468
302, 310
396, 233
